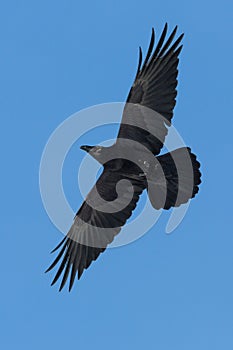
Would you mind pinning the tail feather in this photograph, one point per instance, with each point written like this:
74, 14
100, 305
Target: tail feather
175, 180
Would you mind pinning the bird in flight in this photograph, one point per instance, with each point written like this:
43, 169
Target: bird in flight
132, 164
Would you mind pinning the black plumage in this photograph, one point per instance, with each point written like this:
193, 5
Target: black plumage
170, 179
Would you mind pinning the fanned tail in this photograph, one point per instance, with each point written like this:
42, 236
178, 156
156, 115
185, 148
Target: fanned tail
177, 179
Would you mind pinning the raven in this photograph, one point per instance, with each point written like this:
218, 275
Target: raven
132, 165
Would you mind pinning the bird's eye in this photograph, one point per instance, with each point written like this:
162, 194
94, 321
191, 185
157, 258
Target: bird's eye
98, 150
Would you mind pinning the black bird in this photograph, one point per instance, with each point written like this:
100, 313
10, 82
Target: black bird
132, 164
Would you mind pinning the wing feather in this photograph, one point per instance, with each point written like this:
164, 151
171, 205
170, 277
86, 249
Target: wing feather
155, 88
94, 229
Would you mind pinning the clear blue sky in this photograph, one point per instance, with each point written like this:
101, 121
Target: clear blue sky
163, 291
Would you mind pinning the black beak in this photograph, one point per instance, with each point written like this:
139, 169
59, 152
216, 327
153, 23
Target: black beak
86, 148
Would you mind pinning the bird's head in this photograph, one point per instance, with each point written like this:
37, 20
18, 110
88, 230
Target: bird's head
96, 152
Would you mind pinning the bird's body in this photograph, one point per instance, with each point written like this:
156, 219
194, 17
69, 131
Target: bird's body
132, 165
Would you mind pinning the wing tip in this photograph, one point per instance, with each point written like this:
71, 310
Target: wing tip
59, 245
48, 269
153, 32
60, 288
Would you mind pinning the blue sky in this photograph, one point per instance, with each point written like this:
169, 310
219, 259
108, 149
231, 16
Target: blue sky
162, 291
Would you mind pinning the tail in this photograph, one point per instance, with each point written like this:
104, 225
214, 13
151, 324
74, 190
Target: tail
175, 180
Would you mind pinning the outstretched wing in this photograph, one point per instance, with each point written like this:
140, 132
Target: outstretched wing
154, 90
95, 225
